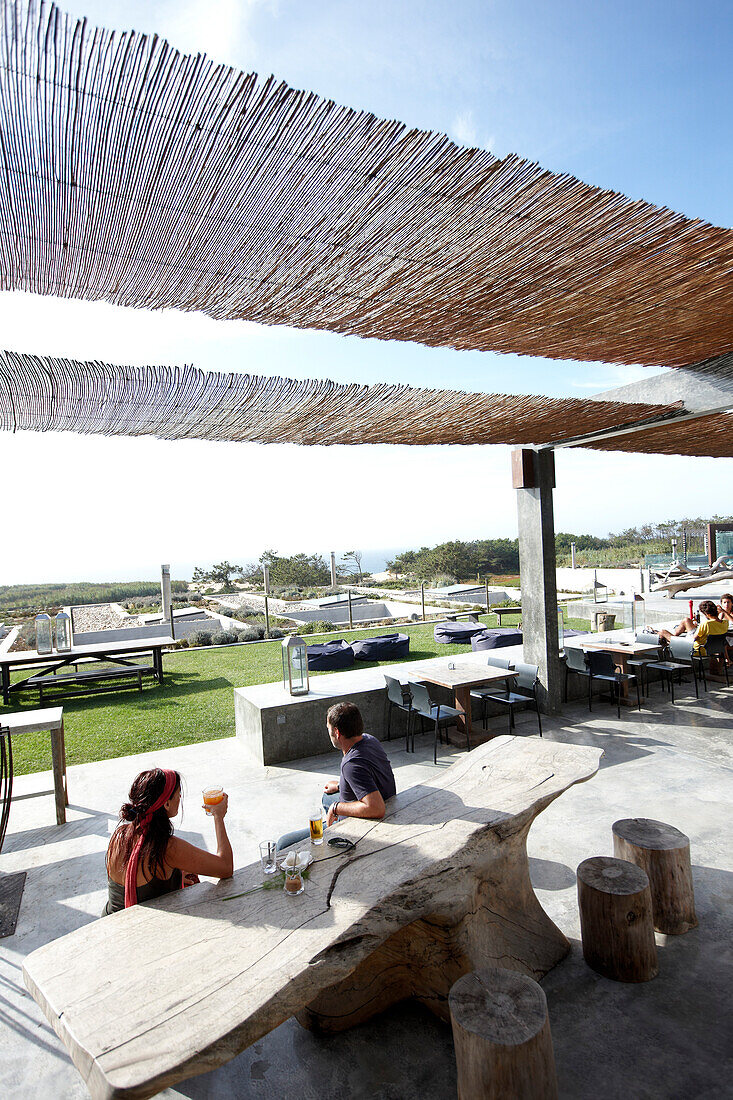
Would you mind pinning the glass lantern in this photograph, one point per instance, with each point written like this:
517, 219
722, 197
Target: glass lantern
63, 632
295, 665
44, 637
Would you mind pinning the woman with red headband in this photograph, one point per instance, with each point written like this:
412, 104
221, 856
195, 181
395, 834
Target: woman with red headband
145, 859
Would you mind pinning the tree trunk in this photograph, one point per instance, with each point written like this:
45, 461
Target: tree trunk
501, 1032
664, 853
616, 919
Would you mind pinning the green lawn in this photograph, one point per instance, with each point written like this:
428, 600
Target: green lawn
194, 704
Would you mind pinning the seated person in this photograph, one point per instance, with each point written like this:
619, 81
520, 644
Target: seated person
710, 626
145, 859
685, 626
366, 780
725, 610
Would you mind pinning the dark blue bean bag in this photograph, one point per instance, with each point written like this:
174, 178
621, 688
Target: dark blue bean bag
497, 638
456, 633
328, 656
387, 647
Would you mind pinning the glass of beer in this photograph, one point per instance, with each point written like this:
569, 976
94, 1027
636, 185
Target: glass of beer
316, 825
212, 797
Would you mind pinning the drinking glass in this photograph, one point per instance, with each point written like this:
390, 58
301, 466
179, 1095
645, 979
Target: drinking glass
294, 884
212, 797
268, 856
316, 826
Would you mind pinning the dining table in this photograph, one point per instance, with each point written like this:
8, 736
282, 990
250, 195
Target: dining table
460, 675
621, 651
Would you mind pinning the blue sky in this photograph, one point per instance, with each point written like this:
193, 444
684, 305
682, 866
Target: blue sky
629, 96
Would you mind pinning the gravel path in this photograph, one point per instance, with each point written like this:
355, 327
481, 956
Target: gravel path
100, 616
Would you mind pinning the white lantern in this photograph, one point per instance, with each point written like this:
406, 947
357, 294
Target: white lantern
63, 632
44, 637
295, 665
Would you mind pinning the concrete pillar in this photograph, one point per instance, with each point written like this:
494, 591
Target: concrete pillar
533, 476
165, 591
333, 570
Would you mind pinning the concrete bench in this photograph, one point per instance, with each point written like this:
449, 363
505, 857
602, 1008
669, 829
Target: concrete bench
161, 992
499, 611
121, 672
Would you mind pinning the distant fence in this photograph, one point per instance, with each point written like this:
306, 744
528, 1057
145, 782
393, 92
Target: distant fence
667, 559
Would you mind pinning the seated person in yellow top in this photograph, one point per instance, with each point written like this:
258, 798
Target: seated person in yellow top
710, 626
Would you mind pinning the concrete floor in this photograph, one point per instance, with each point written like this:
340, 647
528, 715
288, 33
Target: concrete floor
669, 1038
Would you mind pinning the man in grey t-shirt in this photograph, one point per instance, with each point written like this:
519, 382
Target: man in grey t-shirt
366, 779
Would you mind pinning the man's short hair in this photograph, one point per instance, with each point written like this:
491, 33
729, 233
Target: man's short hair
708, 608
347, 719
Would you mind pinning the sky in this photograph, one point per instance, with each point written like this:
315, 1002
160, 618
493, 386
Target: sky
629, 96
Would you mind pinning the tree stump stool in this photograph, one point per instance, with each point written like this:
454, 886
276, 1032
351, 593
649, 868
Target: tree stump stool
501, 1033
664, 853
616, 924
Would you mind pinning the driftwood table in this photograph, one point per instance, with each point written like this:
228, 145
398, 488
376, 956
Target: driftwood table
170, 989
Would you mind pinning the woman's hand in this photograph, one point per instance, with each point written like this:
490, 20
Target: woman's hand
219, 809
331, 787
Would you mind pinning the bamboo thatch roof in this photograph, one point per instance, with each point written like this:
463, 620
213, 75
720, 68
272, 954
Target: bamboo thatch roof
708, 435
38, 393
137, 175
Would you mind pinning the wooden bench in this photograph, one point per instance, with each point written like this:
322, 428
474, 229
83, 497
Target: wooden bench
121, 672
164, 991
454, 616
499, 611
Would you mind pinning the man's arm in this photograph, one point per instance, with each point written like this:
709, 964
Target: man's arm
370, 806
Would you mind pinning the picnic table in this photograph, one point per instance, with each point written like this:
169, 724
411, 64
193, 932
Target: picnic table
163, 991
465, 675
45, 666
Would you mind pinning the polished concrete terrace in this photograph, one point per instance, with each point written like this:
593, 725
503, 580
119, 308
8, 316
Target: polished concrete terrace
667, 1038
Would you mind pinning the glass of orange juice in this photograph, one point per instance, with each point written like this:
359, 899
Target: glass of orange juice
212, 797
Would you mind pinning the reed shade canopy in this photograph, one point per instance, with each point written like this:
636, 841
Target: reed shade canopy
133, 174
44, 394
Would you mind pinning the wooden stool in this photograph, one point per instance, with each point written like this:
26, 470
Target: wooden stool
615, 905
664, 853
501, 1033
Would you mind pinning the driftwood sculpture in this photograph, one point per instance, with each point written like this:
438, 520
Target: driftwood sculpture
679, 578
436, 889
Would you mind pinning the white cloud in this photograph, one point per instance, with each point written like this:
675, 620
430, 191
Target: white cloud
222, 30
465, 132
464, 129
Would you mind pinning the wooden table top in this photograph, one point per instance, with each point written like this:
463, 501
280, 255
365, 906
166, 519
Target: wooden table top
29, 721
32, 656
631, 649
158, 992
467, 673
